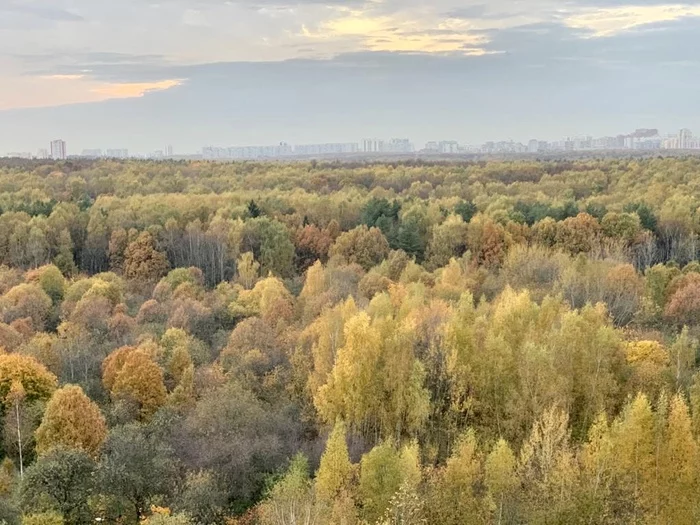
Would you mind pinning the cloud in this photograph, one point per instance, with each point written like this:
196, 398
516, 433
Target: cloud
40, 10
397, 33
422, 96
41, 53
134, 90
614, 20
66, 89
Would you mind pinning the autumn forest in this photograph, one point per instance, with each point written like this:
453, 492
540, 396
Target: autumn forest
324, 343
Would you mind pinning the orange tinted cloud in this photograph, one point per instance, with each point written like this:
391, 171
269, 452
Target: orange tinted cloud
57, 90
134, 90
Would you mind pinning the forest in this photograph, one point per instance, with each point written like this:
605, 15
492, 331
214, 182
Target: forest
327, 343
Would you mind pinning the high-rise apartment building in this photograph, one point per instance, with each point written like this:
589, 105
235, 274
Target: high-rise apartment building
373, 146
685, 139
58, 150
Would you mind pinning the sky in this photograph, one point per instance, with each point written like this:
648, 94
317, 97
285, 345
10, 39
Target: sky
142, 74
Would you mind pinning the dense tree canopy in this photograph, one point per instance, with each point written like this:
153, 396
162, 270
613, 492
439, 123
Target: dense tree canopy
358, 344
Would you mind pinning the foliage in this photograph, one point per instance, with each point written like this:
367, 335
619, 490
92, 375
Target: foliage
71, 420
60, 481
466, 342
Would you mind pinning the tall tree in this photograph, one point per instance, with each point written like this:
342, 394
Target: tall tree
71, 420
335, 471
501, 480
678, 468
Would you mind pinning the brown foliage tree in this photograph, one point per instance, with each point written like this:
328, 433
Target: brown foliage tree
365, 246
143, 261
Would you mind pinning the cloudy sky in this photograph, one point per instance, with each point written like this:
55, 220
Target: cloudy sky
142, 74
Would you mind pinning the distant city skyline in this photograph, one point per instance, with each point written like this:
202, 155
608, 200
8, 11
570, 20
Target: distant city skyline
648, 139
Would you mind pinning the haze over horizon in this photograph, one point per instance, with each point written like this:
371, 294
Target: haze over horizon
139, 75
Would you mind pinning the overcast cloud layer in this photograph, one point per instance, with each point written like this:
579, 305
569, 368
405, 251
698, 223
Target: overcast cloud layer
140, 74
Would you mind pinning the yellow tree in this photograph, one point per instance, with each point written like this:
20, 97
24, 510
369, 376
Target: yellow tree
634, 458
376, 384
325, 336
248, 270
335, 471
178, 362
596, 469
71, 420
501, 479
453, 498
383, 471
183, 396
140, 380
113, 364
548, 469
23, 380
648, 361
352, 387
678, 468
682, 354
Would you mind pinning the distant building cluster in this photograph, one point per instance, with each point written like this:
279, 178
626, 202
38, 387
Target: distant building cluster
387, 146
248, 152
283, 150
640, 140
58, 151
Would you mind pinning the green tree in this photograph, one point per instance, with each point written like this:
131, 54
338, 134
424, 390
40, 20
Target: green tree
52, 282
203, 499
136, 466
380, 479
292, 500
60, 481
271, 244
